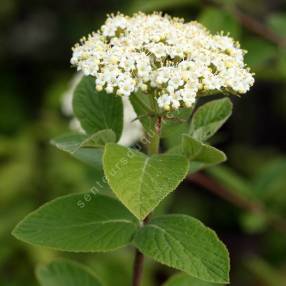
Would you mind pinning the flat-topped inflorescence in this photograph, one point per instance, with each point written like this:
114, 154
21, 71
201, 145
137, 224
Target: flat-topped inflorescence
164, 56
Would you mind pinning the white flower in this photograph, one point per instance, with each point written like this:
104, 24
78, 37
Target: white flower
158, 49
112, 25
164, 101
164, 55
127, 64
126, 84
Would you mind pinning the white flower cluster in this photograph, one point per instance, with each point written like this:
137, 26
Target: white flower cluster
173, 60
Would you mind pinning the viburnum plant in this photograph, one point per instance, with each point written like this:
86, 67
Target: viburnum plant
164, 66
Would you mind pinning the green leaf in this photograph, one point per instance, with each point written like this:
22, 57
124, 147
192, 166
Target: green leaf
84, 222
99, 139
209, 118
142, 106
175, 125
90, 156
217, 20
86, 148
184, 243
66, 273
186, 280
71, 143
200, 154
97, 110
141, 182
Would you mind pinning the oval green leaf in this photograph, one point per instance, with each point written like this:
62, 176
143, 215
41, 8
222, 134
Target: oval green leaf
84, 222
97, 110
184, 243
141, 182
200, 154
86, 148
209, 118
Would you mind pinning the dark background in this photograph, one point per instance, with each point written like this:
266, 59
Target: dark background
244, 200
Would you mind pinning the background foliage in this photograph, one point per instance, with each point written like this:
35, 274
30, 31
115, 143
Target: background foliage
244, 200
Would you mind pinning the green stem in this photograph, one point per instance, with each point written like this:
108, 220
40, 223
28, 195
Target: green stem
153, 148
154, 138
154, 135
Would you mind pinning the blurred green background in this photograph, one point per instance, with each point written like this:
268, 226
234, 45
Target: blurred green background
244, 200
